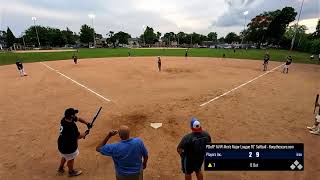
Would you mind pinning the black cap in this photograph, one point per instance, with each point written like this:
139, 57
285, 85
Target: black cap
70, 111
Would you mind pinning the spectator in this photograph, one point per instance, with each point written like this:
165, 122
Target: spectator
192, 150
127, 154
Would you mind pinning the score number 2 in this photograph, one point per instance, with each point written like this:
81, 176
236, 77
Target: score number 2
257, 154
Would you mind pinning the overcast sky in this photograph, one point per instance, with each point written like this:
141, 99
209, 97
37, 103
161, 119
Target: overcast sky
201, 16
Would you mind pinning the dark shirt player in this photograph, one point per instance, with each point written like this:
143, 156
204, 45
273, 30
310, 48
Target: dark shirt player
286, 66
20, 68
159, 63
192, 150
266, 61
68, 140
75, 59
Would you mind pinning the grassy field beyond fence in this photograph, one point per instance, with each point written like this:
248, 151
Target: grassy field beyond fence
276, 55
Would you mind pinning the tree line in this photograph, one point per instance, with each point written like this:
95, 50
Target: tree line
267, 28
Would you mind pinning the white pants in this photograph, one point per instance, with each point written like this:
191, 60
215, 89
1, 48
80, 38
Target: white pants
318, 118
21, 72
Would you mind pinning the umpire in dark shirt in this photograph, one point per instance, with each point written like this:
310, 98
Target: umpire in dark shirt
192, 150
68, 140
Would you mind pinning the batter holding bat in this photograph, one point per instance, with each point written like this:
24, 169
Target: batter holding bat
315, 129
68, 140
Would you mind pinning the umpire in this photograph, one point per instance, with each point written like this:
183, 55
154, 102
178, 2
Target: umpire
192, 150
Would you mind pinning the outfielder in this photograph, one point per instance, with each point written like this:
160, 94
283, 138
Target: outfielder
68, 140
20, 68
266, 61
286, 66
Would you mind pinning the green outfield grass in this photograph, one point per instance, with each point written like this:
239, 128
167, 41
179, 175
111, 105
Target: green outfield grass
276, 55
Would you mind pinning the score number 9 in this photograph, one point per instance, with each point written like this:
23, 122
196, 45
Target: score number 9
257, 154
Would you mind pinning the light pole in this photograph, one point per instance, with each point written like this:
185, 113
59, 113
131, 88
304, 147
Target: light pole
92, 17
24, 43
144, 39
244, 26
295, 33
34, 23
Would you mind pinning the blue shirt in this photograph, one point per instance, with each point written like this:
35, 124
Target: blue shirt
127, 155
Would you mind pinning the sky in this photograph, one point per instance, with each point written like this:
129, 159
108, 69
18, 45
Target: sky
201, 16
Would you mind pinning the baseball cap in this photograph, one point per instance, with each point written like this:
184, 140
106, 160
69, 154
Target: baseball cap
70, 111
195, 125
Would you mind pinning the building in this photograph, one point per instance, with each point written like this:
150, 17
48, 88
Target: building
134, 42
100, 43
2, 43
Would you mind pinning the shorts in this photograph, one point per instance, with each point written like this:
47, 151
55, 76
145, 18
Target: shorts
190, 166
286, 67
70, 156
130, 177
318, 118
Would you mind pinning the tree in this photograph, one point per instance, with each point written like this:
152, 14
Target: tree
122, 37
221, 40
232, 37
291, 30
148, 36
169, 37
316, 34
68, 36
212, 36
278, 25
182, 37
111, 38
258, 27
158, 36
270, 26
10, 38
86, 34
300, 32
55, 37
196, 38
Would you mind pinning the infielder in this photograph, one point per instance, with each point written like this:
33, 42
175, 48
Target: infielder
159, 63
286, 66
20, 68
186, 53
75, 59
68, 140
266, 61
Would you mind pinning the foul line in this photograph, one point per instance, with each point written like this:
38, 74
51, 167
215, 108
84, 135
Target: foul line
224, 94
79, 84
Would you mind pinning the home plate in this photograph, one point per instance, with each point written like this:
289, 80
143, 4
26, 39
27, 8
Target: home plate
155, 125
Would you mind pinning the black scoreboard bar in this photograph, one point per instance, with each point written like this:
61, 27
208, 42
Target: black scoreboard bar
254, 157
